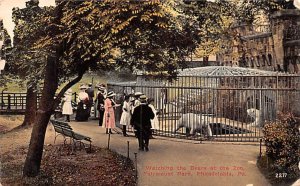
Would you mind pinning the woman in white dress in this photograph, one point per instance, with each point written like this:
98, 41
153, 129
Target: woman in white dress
126, 114
67, 109
154, 121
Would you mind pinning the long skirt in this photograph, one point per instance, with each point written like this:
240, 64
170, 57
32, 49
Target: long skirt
82, 113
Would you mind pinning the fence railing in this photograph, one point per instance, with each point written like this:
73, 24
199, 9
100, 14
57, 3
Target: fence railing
13, 101
233, 110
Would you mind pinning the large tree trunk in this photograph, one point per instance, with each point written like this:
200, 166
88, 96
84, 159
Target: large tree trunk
47, 105
31, 106
35, 151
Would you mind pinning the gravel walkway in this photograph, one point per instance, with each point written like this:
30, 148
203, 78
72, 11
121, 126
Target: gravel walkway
174, 162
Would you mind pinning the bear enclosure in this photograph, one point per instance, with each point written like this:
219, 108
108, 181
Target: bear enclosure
216, 103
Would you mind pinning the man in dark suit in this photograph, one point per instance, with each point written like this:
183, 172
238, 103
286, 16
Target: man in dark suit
90, 91
100, 104
141, 120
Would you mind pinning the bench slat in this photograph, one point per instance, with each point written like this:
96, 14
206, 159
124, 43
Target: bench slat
66, 130
81, 137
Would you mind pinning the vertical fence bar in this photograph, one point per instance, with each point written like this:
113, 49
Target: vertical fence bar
8, 102
225, 104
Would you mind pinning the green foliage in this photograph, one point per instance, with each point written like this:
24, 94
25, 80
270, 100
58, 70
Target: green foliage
282, 144
214, 20
249, 8
4, 53
101, 35
26, 63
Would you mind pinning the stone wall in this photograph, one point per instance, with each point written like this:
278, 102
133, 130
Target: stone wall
273, 45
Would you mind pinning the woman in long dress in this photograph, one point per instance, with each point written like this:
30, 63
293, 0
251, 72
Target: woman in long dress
154, 121
67, 109
82, 113
109, 113
126, 114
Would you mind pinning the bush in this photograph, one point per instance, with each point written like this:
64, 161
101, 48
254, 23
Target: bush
282, 146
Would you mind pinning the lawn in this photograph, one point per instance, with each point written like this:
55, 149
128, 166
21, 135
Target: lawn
87, 78
60, 166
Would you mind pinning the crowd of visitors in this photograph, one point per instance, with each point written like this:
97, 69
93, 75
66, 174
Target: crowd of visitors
138, 111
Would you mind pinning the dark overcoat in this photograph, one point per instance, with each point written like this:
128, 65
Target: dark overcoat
141, 117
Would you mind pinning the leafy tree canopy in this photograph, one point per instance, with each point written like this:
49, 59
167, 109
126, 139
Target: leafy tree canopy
214, 19
146, 35
5, 48
24, 62
249, 8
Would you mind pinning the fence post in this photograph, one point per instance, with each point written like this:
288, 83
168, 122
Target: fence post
75, 96
2, 101
8, 106
108, 142
260, 142
135, 159
128, 149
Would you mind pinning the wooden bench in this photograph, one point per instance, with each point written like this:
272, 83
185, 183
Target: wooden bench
65, 130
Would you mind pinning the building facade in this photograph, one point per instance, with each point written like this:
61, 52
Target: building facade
268, 45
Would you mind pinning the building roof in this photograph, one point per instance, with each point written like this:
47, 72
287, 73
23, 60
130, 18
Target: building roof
216, 71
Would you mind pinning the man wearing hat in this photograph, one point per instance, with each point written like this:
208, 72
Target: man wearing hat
141, 120
91, 93
136, 101
100, 103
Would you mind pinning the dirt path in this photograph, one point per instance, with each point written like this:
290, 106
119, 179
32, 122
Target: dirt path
168, 162
184, 163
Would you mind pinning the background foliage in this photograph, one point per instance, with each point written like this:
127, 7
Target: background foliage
282, 145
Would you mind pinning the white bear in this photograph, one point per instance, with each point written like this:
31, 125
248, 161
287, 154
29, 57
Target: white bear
255, 114
195, 123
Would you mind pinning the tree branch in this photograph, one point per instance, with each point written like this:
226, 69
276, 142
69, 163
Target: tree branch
57, 100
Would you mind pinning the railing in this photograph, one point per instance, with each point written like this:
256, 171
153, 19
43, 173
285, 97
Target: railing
220, 108
11, 102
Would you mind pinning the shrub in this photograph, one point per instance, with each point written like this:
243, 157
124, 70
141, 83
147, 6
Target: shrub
282, 145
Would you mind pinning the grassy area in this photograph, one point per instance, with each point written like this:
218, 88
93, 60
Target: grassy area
87, 78
60, 165
9, 122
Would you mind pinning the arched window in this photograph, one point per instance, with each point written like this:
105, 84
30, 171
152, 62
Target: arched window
247, 62
264, 60
270, 59
279, 68
252, 62
257, 61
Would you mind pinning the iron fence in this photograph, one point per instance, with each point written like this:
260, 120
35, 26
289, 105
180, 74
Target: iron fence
215, 108
13, 102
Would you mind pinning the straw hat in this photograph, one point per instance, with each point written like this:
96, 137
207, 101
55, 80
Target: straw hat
138, 94
143, 97
101, 88
83, 87
69, 91
110, 94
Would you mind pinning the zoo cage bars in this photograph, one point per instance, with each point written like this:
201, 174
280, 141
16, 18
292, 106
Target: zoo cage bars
216, 108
